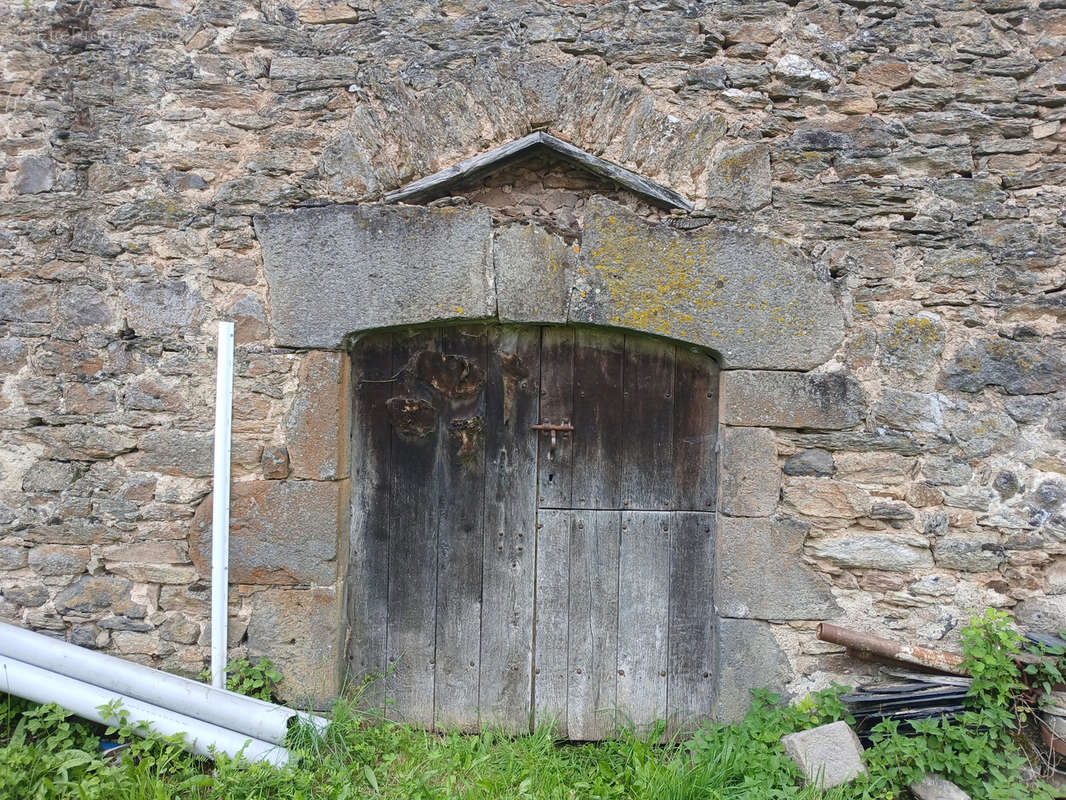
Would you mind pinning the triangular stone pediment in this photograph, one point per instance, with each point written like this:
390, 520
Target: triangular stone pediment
441, 183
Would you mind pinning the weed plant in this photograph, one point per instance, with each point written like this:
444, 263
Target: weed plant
45, 753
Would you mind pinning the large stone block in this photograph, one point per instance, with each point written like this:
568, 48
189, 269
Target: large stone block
909, 411
755, 300
749, 475
813, 462
186, 453
57, 559
1046, 614
175, 452
828, 755
36, 174
738, 179
316, 427
979, 435
760, 572
791, 399
94, 595
968, 555
1017, 367
281, 532
78, 442
912, 344
824, 497
341, 269
749, 657
533, 273
24, 302
162, 308
300, 630
933, 787
890, 552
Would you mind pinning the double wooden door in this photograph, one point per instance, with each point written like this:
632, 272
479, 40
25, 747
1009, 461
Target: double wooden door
532, 530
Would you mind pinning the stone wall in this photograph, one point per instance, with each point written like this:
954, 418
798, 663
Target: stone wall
912, 152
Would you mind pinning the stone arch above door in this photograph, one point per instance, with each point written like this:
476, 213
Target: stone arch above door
754, 300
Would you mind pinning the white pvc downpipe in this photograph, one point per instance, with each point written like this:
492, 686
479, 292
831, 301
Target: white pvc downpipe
247, 715
220, 506
84, 699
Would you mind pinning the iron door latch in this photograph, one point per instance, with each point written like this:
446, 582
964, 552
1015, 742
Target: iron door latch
555, 429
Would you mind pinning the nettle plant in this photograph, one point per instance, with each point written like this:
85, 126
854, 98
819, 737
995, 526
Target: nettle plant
258, 680
1046, 672
982, 750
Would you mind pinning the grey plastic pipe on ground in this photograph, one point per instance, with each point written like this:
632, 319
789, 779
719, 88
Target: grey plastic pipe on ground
246, 715
84, 699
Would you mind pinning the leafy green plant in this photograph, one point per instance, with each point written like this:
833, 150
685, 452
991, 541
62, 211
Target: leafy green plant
364, 755
979, 750
1046, 668
989, 646
257, 680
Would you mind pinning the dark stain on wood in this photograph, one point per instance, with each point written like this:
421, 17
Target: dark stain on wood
453, 376
411, 417
469, 435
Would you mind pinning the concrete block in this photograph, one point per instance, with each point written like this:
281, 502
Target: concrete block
933, 787
828, 755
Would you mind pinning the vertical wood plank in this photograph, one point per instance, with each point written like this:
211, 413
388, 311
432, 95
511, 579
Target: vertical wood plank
690, 673
593, 625
459, 382
368, 570
598, 419
413, 517
648, 413
554, 470
695, 466
511, 406
643, 616
550, 636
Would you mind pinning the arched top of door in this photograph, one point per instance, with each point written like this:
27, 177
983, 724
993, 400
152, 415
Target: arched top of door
337, 271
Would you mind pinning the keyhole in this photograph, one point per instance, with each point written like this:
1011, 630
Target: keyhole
551, 477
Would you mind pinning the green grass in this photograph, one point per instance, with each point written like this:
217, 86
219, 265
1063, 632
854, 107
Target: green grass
47, 754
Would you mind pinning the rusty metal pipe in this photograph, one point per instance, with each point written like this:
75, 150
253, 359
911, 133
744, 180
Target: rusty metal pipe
896, 651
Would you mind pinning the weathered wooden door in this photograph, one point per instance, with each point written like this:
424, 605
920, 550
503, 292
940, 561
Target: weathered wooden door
504, 574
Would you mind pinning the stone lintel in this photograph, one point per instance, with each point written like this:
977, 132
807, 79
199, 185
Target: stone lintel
775, 399
755, 300
533, 270
337, 270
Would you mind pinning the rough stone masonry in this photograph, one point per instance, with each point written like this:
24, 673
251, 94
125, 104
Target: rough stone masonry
908, 156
